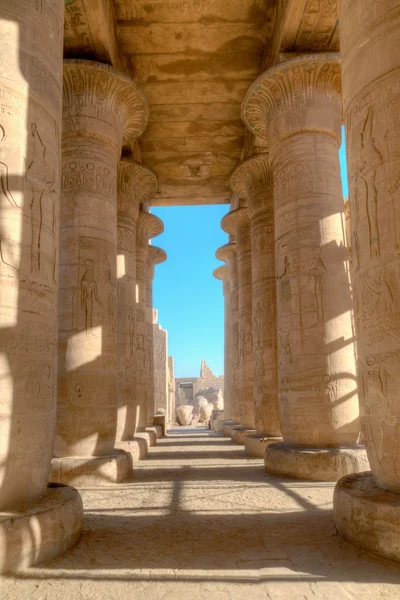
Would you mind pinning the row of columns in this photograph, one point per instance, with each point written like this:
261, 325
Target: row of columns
304, 342
76, 271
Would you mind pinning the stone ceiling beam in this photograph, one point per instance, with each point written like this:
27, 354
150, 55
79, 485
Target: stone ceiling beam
90, 32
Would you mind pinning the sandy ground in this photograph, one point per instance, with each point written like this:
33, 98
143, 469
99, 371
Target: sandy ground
199, 521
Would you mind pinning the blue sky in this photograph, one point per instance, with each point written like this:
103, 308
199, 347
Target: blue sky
189, 300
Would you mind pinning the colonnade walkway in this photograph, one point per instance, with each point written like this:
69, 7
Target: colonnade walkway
199, 521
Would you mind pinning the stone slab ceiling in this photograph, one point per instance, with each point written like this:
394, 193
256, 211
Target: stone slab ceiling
195, 60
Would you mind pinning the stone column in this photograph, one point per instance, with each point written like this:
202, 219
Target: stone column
252, 179
100, 108
222, 273
38, 522
367, 506
136, 184
237, 223
227, 253
148, 226
297, 107
155, 256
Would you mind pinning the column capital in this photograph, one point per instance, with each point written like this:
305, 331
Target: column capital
148, 227
156, 255
252, 179
226, 252
136, 184
236, 219
300, 95
95, 93
221, 273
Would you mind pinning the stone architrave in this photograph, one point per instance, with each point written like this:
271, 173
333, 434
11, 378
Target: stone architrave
227, 253
297, 106
38, 521
367, 506
237, 223
148, 226
252, 179
136, 184
222, 273
101, 109
155, 256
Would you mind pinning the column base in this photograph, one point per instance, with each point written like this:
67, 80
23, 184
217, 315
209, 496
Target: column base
239, 434
160, 421
37, 532
228, 426
148, 438
256, 444
136, 448
154, 432
314, 464
367, 515
92, 471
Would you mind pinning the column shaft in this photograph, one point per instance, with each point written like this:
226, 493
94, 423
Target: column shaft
237, 223
136, 184
367, 505
149, 339
142, 378
126, 277
100, 105
318, 390
234, 302
30, 130
227, 350
371, 83
148, 227
252, 179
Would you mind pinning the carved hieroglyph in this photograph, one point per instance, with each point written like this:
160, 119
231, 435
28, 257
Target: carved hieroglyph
297, 105
237, 223
30, 126
227, 253
148, 226
252, 179
155, 256
136, 184
371, 92
101, 108
222, 273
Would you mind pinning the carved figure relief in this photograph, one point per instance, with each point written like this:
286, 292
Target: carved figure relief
89, 295
131, 328
286, 349
382, 294
7, 246
317, 272
258, 329
44, 388
286, 294
41, 179
371, 159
